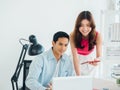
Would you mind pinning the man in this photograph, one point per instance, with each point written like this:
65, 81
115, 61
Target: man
52, 63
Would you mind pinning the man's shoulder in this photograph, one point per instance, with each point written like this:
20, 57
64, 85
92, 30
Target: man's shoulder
45, 53
66, 57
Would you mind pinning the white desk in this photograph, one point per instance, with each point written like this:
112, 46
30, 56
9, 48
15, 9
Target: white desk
99, 84
83, 83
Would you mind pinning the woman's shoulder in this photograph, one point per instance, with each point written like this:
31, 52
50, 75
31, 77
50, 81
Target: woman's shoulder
96, 32
71, 34
98, 35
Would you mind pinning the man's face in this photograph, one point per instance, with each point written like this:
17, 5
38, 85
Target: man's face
60, 45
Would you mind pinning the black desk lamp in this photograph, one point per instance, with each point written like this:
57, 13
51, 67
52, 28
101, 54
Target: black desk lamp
34, 49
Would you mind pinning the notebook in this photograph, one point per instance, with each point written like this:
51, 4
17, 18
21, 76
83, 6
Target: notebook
73, 83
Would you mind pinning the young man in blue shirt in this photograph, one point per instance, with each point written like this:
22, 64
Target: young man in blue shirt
50, 64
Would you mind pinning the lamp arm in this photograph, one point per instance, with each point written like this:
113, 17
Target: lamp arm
19, 66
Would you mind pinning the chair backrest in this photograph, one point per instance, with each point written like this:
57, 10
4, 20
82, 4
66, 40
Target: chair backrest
25, 72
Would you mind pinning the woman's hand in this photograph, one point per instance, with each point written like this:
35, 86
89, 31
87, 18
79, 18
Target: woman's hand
94, 63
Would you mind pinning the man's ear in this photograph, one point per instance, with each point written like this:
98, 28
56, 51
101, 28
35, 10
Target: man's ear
53, 43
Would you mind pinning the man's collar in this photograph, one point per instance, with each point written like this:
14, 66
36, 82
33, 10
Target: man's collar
51, 55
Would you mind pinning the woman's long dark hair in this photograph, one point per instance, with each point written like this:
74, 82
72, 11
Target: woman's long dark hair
78, 36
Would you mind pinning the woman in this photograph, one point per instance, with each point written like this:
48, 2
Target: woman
83, 40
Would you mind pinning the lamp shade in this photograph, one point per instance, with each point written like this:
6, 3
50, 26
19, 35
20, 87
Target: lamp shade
34, 48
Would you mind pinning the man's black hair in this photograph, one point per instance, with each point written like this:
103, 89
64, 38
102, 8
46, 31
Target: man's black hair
60, 34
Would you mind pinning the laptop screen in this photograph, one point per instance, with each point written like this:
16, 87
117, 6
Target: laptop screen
72, 83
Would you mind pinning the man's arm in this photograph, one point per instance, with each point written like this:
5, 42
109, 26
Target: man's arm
34, 73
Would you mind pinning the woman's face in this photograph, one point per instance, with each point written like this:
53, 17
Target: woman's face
85, 27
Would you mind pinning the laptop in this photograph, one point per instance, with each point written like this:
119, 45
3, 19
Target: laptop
73, 83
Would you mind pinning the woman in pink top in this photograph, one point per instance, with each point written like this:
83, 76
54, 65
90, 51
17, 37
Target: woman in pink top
83, 40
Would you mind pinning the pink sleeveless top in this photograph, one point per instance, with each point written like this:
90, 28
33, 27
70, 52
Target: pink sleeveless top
85, 50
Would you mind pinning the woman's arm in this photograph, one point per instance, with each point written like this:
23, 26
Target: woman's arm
75, 56
99, 46
98, 51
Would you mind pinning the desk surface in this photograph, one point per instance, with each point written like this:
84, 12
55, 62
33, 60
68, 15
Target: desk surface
99, 84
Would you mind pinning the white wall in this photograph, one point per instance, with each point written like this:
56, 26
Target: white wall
21, 18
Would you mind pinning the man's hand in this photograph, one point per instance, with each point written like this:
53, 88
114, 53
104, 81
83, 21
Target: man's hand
49, 86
